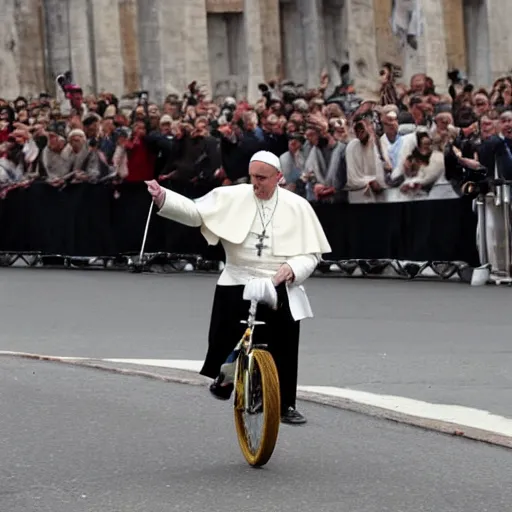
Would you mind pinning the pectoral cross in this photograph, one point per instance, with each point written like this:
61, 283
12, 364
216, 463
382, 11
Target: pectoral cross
261, 245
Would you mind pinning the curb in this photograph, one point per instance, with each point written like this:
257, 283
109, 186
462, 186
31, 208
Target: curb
189, 378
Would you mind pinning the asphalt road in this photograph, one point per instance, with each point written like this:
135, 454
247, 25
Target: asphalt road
439, 342
76, 439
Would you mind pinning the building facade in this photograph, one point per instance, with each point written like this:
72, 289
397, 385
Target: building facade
232, 45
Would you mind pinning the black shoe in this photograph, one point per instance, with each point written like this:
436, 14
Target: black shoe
221, 392
291, 416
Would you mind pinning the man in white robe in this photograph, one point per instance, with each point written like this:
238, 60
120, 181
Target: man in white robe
366, 171
268, 233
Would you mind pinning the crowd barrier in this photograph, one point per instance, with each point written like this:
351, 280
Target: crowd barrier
106, 221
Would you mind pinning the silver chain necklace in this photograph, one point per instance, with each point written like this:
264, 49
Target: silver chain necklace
261, 238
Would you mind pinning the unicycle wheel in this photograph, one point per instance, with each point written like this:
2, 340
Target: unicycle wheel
257, 422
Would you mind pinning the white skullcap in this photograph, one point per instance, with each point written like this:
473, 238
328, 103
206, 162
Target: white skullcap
267, 158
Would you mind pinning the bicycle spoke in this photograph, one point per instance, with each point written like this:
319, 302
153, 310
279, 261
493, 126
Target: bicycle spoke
254, 416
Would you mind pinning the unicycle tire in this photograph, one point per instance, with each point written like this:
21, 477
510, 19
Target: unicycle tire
265, 378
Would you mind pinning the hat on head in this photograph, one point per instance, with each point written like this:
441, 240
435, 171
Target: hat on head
267, 158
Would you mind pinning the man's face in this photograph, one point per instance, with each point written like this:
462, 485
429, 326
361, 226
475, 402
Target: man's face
140, 113
297, 117
361, 132
108, 126
443, 121
165, 129
418, 84
425, 146
139, 130
250, 126
506, 125
294, 145
264, 179
312, 136
77, 143
76, 99
91, 130
200, 129
487, 128
55, 143
390, 126
23, 116
481, 105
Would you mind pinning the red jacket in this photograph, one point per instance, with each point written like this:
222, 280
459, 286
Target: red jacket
141, 162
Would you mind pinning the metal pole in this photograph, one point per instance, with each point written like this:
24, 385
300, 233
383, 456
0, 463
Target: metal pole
506, 218
145, 232
482, 229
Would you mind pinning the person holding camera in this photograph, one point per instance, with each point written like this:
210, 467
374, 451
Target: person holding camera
366, 171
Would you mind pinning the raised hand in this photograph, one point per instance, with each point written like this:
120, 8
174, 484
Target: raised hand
156, 192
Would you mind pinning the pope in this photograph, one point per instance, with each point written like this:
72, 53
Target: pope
269, 234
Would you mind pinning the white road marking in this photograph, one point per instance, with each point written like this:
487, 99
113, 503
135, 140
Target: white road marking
463, 417
459, 415
175, 364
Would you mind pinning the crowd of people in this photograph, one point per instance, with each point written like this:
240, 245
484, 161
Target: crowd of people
332, 147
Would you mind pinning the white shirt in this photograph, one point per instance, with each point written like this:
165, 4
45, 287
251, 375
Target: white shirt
242, 260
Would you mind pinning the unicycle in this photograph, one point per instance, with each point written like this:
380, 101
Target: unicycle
257, 402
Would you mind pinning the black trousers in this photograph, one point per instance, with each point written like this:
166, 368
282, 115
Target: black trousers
280, 333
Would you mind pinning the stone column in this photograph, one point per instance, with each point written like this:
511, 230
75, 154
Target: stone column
293, 44
499, 14
433, 41
362, 45
173, 46
453, 13
30, 46
218, 41
107, 53
313, 40
271, 39
388, 45
150, 48
477, 46
56, 17
129, 46
80, 20
195, 44
9, 79
256, 74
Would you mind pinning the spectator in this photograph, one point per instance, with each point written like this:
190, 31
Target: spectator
422, 168
366, 177
394, 146
81, 161
293, 164
140, 159
53, 163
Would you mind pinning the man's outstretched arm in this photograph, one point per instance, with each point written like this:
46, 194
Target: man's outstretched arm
174, 206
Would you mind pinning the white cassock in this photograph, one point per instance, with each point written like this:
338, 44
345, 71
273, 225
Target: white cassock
234, 216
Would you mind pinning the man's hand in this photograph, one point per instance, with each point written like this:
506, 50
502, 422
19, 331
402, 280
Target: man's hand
79, 177
375, 186
157, 192
284, 275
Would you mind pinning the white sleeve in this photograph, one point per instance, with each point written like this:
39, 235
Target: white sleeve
180, 209
303, 266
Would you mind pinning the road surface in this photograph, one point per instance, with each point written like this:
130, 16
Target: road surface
76, 439
443, 343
